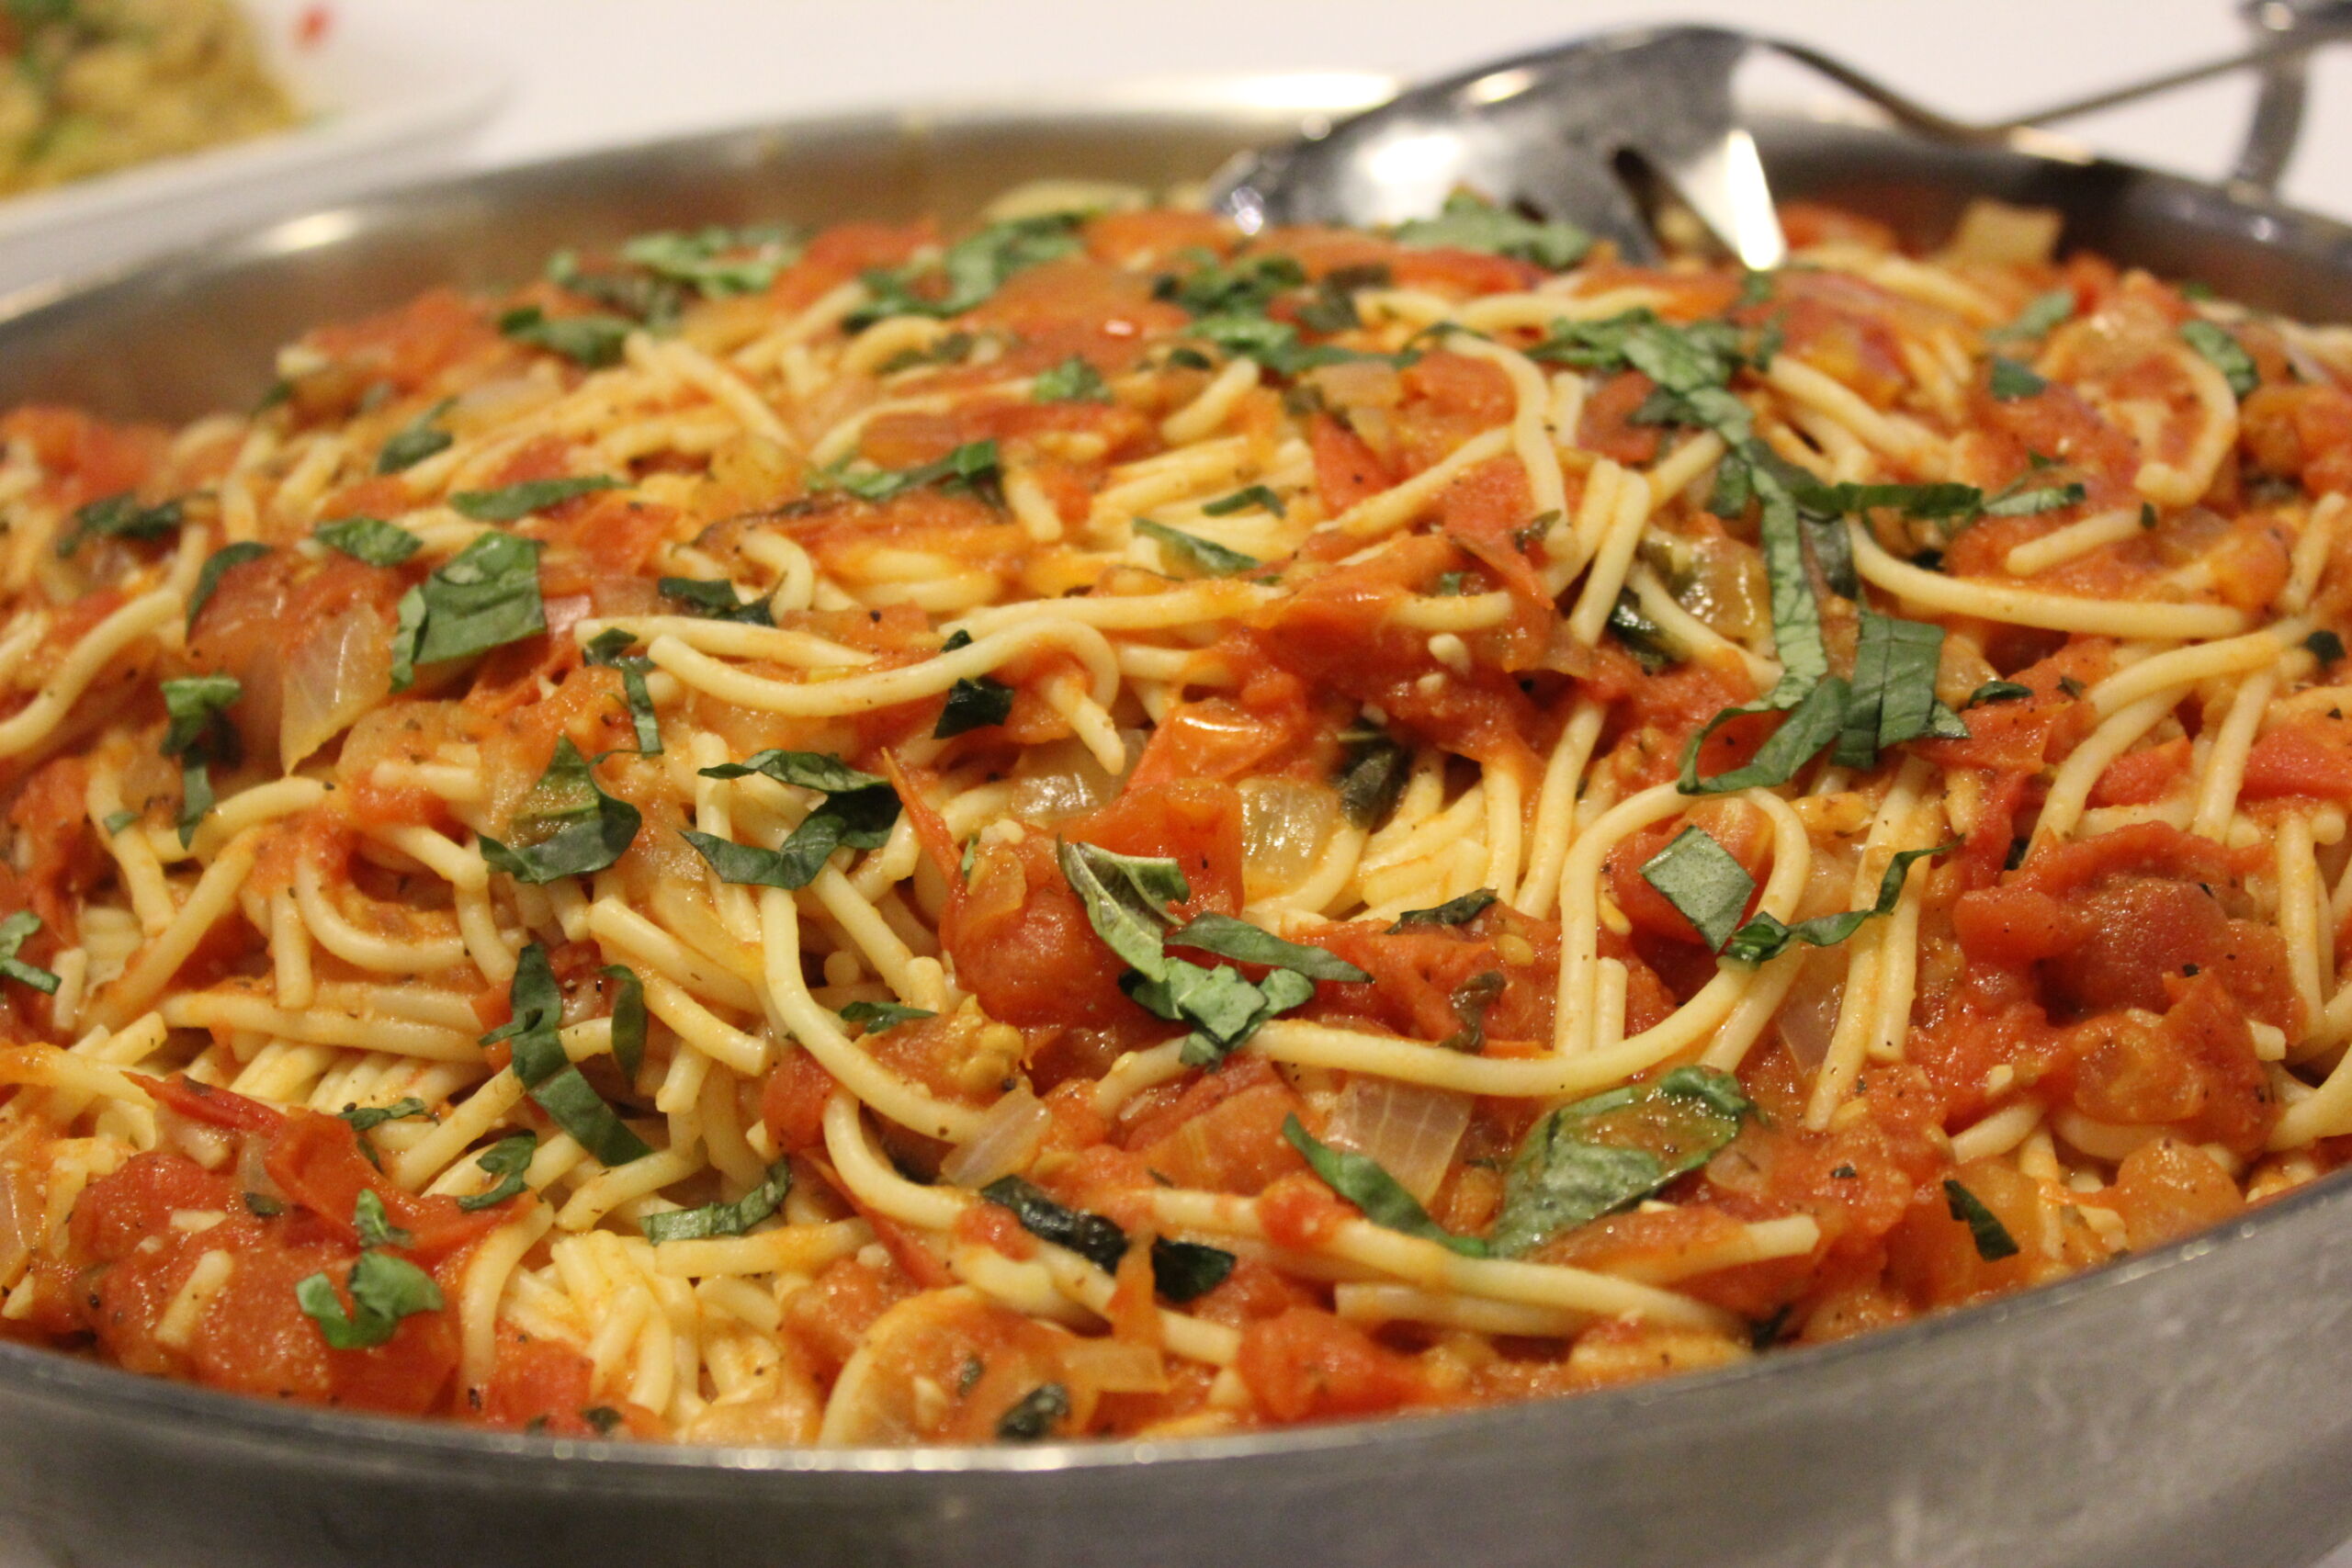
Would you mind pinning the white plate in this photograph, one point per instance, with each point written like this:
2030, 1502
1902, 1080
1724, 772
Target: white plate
384, 102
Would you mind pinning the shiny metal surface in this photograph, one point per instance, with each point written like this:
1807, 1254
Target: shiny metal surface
1551, 133
2191, 1406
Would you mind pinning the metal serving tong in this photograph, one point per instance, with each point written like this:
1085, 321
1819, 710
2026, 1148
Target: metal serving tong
1568, 132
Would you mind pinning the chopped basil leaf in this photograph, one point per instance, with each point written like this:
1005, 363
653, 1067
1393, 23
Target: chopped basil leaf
384, 1290
1796, 613
593, 341
506, 1159
1718, 1090
2014, 502
375, 1226
1276, 346
879, 1017
1186, 1270
1706, 886
714, 599
1468, 222
1452, 912
973, 704
1256, 498
1810, 725
604, 1418
120, 517
511, 503
1223, 1006
1205, 557
13, 933
1893, 691
1641, 638
2009, 380
1239, 940
1126, 899
1036, 1415
1684, 360
803, 770
973, 469
1992, 1239
971, 271
1371, 774
858, 811
1098, 1240
485, 596
540, 1066
1471, 1001
2214, 344
366, 1118
709, 260
368, 539
1611, 1151
2324, 645
949, 348
416, 441
1766, 938
1333, 306
116, 821
1944, 502
628, 1018
722, 1219
609, 650
655, 301
1361, 1181
199, 734
216, 566
2041, 312
1072, 381
1998, 692
566, 826
262, 1206
1243, 287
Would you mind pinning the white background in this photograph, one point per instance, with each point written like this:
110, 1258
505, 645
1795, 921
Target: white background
591, 73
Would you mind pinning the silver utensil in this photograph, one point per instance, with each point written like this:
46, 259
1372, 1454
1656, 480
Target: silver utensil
1576, 131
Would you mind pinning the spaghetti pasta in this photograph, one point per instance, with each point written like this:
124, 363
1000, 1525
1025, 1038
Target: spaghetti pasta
1112, 829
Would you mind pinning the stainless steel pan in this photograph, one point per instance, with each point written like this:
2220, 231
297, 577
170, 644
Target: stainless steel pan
2190, 1406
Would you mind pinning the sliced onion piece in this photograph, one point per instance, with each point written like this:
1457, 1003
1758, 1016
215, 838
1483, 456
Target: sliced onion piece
1117, 1366
333, 676
1004, 1142
1285, 823
1063, 779
1411, 1132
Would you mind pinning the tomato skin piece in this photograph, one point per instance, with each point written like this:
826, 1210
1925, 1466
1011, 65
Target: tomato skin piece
2012, 926
1607, 425
2311, 757
1346, 469
2143, 777
1224, 1136
218, 1107
1307, 1365
2194, 1069
127, 1260
316, 1162
1020, 935
540, 1385
792, 1102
